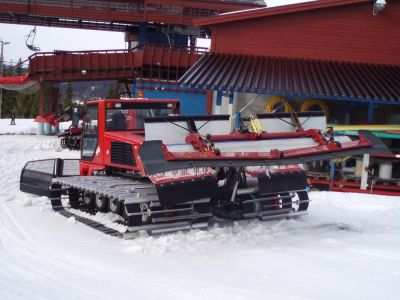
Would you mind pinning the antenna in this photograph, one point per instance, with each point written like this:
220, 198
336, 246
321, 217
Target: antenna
29, 40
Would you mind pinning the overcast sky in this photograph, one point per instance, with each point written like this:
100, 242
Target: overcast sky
49, 39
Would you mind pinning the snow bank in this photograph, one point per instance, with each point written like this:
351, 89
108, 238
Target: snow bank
23, 126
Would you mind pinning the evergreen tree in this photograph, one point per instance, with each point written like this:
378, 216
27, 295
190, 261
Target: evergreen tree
26, 105
67, 101
113, 91
19, 70
7, 103
7, 95
34, 104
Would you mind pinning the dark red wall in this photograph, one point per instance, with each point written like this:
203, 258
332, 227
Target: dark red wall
349, 33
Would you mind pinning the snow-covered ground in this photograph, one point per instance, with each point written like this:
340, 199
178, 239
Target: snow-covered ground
348, 247
23, 126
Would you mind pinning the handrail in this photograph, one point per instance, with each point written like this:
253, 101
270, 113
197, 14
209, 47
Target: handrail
144, 46
145, 59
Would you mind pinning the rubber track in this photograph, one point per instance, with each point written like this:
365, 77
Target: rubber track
124, 190
93, 224
57, 206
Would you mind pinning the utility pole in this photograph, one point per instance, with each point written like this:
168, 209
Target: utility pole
1, 71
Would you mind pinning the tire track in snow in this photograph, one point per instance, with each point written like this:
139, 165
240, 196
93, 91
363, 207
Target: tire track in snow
99, 275
13, 242
18, 250
32, 264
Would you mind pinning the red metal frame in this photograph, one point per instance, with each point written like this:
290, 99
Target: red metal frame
206, 151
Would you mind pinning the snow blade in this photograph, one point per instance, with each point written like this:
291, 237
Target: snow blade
153, 157
36, 176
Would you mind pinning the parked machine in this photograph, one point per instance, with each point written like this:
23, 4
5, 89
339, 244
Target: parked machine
163, 172
71, 137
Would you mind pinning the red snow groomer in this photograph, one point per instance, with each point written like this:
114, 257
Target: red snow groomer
162, 172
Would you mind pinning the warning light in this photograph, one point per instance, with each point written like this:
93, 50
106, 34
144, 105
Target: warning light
110, 105
140, 94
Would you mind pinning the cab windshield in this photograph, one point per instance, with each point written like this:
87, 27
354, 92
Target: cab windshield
130, 116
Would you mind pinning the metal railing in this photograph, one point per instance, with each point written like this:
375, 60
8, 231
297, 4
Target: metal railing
148, 61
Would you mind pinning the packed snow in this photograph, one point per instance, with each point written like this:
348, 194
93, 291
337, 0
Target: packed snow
348, 247
23, 126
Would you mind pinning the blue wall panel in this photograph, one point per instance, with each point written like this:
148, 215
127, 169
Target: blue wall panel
190, 103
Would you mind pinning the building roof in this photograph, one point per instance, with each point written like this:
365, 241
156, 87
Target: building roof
273, 11
295, 77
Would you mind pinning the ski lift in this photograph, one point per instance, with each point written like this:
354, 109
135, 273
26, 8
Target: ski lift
29, 40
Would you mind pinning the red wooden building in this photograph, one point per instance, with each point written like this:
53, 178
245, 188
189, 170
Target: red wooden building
344, 30
328, 49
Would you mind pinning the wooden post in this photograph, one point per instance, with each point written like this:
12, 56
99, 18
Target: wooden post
364, 172
232, 110
218, 103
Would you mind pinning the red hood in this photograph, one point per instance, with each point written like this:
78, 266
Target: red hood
126, 136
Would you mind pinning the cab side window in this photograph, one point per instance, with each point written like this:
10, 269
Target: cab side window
90, 133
